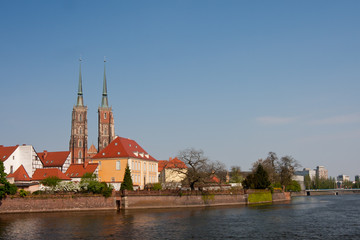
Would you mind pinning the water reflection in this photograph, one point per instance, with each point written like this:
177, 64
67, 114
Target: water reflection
305, 217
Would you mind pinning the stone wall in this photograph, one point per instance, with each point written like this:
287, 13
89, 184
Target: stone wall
153, 201
56, 203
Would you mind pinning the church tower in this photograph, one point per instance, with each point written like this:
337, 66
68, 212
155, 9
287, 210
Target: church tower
106, 119
79, 131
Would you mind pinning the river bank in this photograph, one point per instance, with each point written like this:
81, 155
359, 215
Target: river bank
137, 200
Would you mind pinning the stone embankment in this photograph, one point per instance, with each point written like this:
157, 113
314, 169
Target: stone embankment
137, 200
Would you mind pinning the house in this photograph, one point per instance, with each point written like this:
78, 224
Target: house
172, 171
60, 160
92, 151
22, 180
122, 152
76, 171
42, 173
15, 156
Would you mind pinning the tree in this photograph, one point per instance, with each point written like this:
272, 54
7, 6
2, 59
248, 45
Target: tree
51, 181
270, 166
5, 187
286, 169
235, 174
127, 183
257, 180
200, 168
294, 186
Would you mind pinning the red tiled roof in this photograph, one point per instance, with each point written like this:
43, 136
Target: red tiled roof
53, 159
172, 163
20, 174
78, 170
42, 173
124, 147
92, 149
5, 152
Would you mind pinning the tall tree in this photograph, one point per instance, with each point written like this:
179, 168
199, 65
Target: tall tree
235, 174
286, 169
127, 183
258, 179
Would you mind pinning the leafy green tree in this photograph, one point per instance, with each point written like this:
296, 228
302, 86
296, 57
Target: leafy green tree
235, 175
51, 181
90, 184
5, 187
307, 182
257, 180
127, 183
294, 186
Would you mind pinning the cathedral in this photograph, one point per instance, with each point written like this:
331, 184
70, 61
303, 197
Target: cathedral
79, 131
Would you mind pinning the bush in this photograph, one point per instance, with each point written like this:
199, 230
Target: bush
294, 186
23, 193
51, 181
156, 186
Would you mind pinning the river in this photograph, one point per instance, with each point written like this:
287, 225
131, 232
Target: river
310, 217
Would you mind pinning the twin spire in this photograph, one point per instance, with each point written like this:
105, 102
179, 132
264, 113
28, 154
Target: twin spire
80, 100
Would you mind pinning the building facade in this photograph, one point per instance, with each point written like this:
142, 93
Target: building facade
79, 131
106, 129
321, 172
122, 152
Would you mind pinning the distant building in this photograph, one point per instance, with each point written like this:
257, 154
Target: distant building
15, 156
172, 171
357, 178
114, 158
91, 152
321, 172
60, 160
41, 174
343, 178
77, 171
307, 171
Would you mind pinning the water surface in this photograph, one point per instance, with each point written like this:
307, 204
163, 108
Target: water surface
311, 217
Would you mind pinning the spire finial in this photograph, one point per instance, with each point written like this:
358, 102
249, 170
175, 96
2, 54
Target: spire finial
80, 101
104, 101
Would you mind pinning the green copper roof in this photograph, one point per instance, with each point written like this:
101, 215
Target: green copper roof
104, 101
80, 101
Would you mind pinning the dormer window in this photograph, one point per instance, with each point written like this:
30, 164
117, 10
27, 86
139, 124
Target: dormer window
103, 154
136, 153
147, 155
141, 154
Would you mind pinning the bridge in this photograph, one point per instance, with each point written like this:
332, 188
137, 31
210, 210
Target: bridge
337, 191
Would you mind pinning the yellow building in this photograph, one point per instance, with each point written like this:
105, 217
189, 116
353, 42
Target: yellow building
121, 152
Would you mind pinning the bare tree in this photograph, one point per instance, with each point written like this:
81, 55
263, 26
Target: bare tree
270, 166
286, 169
200, 168
235, 174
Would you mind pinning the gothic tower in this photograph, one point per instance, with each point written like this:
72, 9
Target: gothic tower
106, 119
79, 131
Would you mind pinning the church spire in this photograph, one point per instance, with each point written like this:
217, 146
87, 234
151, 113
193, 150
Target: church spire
80, 101
104, 101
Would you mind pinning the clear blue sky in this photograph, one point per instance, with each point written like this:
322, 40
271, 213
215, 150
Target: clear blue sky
235, 78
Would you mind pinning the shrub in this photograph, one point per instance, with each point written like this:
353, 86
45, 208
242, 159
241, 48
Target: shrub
50, 181
156, 186
23, 193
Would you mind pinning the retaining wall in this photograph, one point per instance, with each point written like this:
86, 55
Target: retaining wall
56, 203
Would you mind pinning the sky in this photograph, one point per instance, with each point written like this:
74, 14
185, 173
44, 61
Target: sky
237, 79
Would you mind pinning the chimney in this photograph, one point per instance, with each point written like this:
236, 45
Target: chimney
45, 154
86, 163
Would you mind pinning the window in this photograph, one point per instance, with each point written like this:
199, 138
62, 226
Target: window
80, 130
13, 157
118, 166
105, 143
104, 115
79, 154
11, 169
105, 131
80, 143
144, 166
80, 117
132, 165
99, 165
112, 179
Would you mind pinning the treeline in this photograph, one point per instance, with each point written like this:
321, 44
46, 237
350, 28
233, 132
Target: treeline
273, 172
